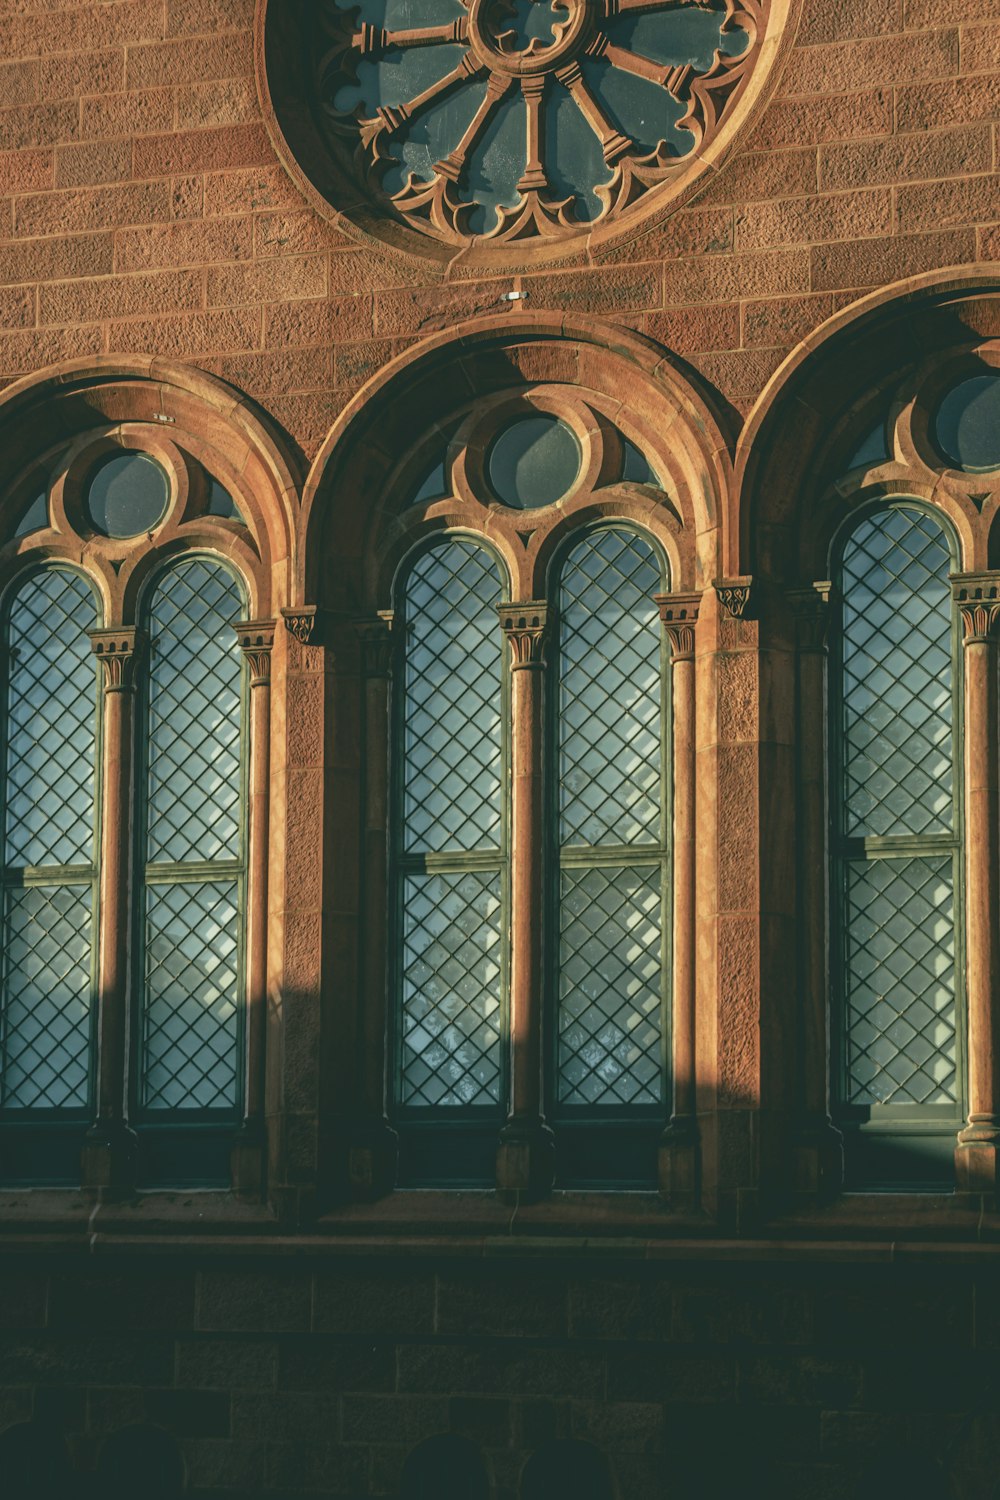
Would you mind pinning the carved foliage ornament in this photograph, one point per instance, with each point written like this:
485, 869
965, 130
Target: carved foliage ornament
514, 120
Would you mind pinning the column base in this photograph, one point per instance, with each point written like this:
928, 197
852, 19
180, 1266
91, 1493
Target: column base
247, 1159
679, 1163
108, 1160
977, 1156
526, 1159
818, 1161
372, 1161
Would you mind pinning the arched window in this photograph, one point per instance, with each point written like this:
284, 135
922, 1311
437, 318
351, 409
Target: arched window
898, 1054
608, 811
188, 1070
50, 869
450, 864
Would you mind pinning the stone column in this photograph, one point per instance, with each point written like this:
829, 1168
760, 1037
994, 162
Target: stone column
256, 638
818, 1167
109, 1152
678, 1155
374, 1148
526, 1151
977, 1154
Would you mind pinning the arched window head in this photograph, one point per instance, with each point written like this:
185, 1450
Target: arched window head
899, 1074
190, 1010
50, 865
451, 852
609, 811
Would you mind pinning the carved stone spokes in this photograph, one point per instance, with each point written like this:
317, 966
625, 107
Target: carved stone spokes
977, 596
120, 653
442, 200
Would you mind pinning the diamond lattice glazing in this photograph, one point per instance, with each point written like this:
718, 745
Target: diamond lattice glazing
451, 1001
51, 722
452, 704
47, 997
610, 983
901, 1045
190, 1023
610, 774
194, 715
897, 677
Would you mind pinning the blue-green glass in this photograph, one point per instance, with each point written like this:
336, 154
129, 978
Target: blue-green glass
896, 753
574, 161
36, 517
610, 985
452, 710
611, 809
127, 495
641, 109
191, 1015
636, 467
900, 1015
195, 687
873, 450
610, 688
47, 994
221, 502
534, 462
967, 423
195, 752
51, 722
450, 976
497, 164
451, 999
46, 1008
897, 676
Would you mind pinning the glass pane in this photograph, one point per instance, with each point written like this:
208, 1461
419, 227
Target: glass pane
195, 696
221, 502
897, 677
451, 993
498, 161
128, 495
610, 688
534, 462
967, 425
36, 517
636, 466
47, 989
874, 450
190, 1025
51, 722
610, 983
452, 701
900, 1001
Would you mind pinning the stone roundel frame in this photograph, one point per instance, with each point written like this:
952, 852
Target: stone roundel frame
358, 525
57, 424
892, 355
425, 220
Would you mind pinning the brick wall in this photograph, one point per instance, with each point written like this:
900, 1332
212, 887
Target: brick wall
317, 1373
142, 208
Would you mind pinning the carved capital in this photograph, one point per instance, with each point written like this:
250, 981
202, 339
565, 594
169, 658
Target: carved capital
120, 652
375, 637
977, 596
679, 615
734, 595
524, 626
811, 608
256, 638
302, 622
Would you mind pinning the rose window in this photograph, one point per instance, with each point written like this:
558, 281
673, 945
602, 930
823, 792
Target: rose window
494, 121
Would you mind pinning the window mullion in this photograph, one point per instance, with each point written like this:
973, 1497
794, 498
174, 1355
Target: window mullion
109, 1152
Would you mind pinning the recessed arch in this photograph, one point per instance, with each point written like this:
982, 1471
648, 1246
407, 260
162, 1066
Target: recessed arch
348, 525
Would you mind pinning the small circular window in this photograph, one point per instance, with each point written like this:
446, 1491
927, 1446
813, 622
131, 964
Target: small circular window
534, 462
967, 424
128, 495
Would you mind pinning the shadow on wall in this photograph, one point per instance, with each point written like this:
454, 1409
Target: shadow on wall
136, 1461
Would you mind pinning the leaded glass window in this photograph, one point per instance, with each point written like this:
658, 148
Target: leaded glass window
611, 829
451, 838
896, 824
190, 1002
48, 1007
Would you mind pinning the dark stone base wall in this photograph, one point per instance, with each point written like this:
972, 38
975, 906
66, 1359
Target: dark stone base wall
307, 1370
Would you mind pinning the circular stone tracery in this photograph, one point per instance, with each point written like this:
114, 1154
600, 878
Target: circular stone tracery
517, 120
